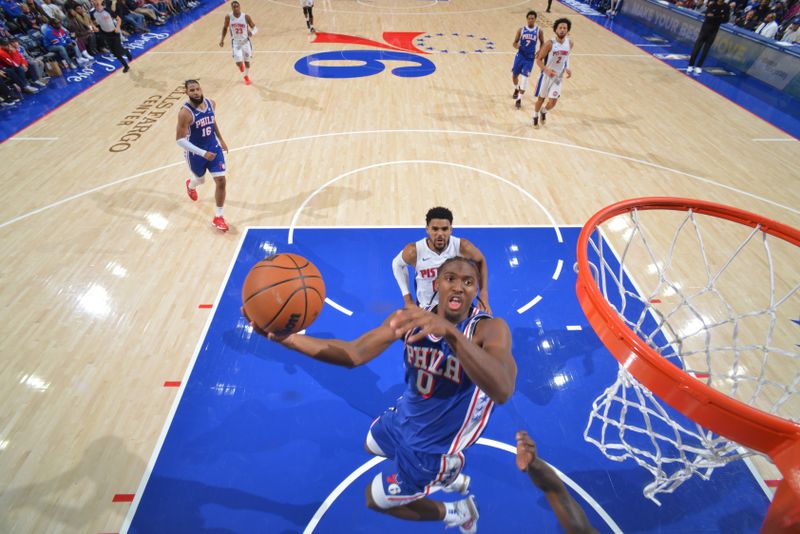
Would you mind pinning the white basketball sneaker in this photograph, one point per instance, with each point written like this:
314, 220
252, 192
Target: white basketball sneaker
465, 516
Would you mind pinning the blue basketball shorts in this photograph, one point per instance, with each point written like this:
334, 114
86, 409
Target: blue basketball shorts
522, 65
199, 165
409, 475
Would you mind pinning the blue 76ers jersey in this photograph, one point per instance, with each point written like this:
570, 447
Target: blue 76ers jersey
442, 411
201, 130
527, 42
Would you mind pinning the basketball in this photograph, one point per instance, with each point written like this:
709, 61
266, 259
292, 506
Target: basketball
283, 294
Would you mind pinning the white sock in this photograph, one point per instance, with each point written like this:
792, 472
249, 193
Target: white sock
194, 181
218, 211
247, 71
535, 114
544, 111
449, 511
519, 95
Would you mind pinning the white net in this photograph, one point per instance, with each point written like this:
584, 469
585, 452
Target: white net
718, 299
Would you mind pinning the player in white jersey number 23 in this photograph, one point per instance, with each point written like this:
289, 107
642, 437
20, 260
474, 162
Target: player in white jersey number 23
241, 28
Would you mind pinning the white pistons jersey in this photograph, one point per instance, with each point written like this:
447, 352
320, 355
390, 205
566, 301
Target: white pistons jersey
427, 267
238, 28
558, 58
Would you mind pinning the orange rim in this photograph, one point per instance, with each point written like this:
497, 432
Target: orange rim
726, 416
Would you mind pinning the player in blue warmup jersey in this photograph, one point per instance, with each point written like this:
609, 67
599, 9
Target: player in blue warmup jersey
199, 136
458, 364
525, 43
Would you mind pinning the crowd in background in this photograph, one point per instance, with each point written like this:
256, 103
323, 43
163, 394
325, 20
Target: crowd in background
40, 39
771, 19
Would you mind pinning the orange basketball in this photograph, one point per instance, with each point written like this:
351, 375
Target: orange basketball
283, 294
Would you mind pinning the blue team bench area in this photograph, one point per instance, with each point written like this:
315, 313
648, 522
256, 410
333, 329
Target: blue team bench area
70, 82
761, 75
266, 440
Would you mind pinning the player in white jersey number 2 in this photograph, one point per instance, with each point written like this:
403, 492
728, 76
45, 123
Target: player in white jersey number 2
556, 51
241, 28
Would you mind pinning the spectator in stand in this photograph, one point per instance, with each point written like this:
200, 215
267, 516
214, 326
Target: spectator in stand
83, 34
717, 13
33, 18
109, 25
768, 28
34, 8
8, 93
15, 67
687, 4
748, 21
138, 6
56, 39
792, 33
35, 70
734, 13
52, 11
14, 14
134, 19
762, 10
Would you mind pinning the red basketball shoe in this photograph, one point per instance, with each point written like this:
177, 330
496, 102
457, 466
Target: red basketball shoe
247, 80
241, 68
219, 224
191, 192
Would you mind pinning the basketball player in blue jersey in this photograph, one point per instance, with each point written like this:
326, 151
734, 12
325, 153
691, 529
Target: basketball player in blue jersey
426, 255
199, 136
458, 364
525, 43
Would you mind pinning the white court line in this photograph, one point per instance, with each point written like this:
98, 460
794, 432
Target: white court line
775, 140
529, 305
420, 131
343, 485
32, 139
424, 161
160, 443
574, 327
366, 466
650, 44
557, 273
339, 307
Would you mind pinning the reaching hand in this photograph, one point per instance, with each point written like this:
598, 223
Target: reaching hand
526, 450
412, 317
222, 43
569, 73
209, 156
268, 335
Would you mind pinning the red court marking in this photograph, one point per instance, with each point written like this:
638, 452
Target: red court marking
655, 301
172, 384
205, 306
701, 375
123, 497
772, 483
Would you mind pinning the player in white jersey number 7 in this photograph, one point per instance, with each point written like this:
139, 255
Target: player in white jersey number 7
458, 364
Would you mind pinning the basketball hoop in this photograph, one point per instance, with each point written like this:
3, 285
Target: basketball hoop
710, 331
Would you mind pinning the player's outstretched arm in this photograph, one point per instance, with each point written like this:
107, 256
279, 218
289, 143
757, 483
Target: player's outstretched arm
338, 352
224, 31
470, 251
406, 257
569, 513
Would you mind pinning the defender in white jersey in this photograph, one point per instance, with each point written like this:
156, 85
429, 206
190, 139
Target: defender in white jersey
458, 363
426, 255
556, 51
308, 13
241, 28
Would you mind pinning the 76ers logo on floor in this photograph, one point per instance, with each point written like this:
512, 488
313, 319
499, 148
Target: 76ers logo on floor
396, 48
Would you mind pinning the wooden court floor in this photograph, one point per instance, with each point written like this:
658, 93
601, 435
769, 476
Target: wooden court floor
106, 260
